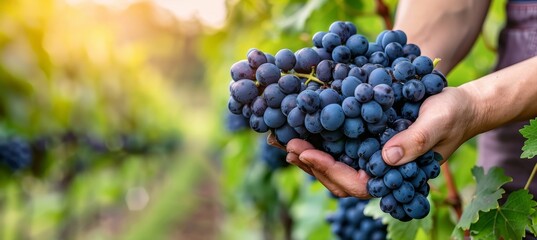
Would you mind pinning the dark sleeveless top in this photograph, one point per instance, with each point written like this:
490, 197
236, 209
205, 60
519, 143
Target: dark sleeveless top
502, 146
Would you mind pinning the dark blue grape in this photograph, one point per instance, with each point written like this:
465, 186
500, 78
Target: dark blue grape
259, 105
285, 133
274, 117
399, 213
358, 45
423, 64
389, 37
433, 83
323, 53
351, 107
308, 101
341, 54
379, 76
289, 84
408, 170
401, 124
358, 73
393, 179
383, 95
336, 85
411, 49
432, 170
332, 117
306, 60
360, 61
288, 103
393, 50
272, 156
302, 132
405, 193
324, 70
296, 117
380, 37
348, 85
398, 60
244, 91
424, 189
234, 106
413, 90
341, 71
351, 148
329, 96
391, 116
410, 111
397, 92
341, 29
351, 27
419, 179
376, 187
379, 58
273, 95
402, 37
318, 39
267, 73
312, 122
247, 111
313, 86
353, 127
257, 123
363, 92
441, 75
368, 147
236, 122
334, 147
372, 112
426, 158
404, 71
373, 47
256, 58
388, 203
331, 41
16, 153
377, 166
418, 207
242, 70
387, 135
285, 60
270, 58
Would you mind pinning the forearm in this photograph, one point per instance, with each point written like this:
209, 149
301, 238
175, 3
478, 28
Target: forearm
505, 96
443, 29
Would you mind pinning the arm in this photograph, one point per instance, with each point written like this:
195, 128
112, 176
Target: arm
443, 29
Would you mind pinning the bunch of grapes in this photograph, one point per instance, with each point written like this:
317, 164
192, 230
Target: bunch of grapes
349, 221
348, 97
15, 153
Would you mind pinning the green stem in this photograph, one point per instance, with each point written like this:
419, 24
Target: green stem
436, 61
531, 177
310, 77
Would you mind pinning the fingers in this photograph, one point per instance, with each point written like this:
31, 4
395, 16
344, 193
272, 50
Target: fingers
293, 159
411, 143
340, 178
298, 146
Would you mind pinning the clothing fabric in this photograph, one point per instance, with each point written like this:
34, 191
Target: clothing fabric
502, 146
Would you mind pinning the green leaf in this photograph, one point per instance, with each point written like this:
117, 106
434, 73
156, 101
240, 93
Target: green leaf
533, 227
530, 145
508, 221
397, 229
488, 191
296, 16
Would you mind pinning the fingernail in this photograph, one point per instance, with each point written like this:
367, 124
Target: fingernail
394, 154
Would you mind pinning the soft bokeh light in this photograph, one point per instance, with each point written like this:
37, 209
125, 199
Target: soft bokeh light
210, 12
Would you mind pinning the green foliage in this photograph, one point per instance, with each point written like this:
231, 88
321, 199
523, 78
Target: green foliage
530, 145
508, 221
488, 192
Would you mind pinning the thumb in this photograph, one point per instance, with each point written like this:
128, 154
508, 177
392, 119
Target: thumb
411, 143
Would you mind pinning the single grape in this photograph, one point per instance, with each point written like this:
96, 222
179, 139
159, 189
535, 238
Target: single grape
308, 101
389, 37
318, 39
334, 148
413, 90
371, 112
388, 203
273, 95
393, 179
373, 47
408, 170
274, 117
379, 76
433, 83
259, 105
353, 127
285, 59
358, 45
351, 107
393, 50
405, 193
257, 123
256, 58
418, 207
377, 166
360, 61
295, 117
244, 91
379, 58
288, 104
423, 64
332, 135
341, 71
306, 60
341, 54
410, 111
329, 96
242, 70
324, 70
368, 147
312, 122
332, 117
267, 73
376, 187
364, 92
285, 133
331, 41
341, 29
289, 84
404, 71
234, 106
351, 147
411, 49
348, 85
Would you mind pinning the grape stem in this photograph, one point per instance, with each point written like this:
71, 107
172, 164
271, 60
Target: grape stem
453, 197
310, 77
530, 179
384, 12
436, 61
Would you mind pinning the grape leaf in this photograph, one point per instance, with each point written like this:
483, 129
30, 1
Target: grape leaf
530, 145
397, 229
533, 227
488, 191
508, 221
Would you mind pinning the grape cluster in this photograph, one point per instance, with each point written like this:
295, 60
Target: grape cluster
349, 221
348, 97
15, 153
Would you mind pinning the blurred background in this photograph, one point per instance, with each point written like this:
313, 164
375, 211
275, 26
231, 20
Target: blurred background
114, 123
